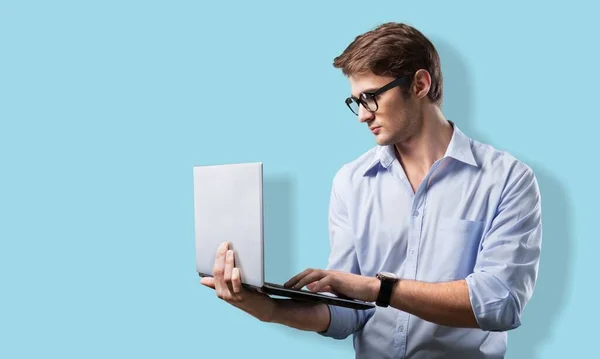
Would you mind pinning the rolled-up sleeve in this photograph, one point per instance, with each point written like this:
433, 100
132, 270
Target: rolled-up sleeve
342, 257
506, 269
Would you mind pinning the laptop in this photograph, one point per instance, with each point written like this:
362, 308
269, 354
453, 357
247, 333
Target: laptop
228, 206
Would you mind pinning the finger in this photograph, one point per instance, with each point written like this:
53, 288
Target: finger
236, 281
219, 268
315, 287
220, 255
208, 281
311, 277
312, 286
297, 277
228, 271
325, 282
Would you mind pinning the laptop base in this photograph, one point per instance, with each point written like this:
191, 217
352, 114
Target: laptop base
305, 295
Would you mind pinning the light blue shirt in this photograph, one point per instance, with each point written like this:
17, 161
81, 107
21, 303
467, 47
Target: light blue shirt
476, 216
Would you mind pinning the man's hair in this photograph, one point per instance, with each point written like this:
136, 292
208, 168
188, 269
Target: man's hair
393, 49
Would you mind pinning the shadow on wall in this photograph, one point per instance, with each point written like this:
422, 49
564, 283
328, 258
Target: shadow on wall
278, 202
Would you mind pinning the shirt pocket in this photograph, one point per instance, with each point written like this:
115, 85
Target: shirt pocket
457, 246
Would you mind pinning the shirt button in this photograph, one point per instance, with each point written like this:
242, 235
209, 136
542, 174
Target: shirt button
402, 328
412, 252
415, 213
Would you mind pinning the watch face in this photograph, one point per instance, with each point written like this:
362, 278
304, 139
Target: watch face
387, 275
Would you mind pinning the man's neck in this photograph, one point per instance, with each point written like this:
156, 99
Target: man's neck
419, 152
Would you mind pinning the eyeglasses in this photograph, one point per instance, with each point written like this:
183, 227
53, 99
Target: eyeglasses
367, 99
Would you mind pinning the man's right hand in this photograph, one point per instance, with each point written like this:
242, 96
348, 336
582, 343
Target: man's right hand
227, 283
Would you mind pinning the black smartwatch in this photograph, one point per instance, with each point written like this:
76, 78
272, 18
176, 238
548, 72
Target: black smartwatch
385, 290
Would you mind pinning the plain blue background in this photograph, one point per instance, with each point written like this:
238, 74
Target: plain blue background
106, 106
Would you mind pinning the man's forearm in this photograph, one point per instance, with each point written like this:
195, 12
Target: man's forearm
302, 315
441, 303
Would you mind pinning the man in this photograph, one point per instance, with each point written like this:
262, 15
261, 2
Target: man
441, 231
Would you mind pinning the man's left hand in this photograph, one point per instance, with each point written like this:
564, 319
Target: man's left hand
347, 284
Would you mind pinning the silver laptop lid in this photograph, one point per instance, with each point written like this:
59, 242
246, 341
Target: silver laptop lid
228, 206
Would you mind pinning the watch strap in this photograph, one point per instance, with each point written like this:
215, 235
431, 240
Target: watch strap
385, 291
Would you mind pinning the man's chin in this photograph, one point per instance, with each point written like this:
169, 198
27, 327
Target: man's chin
382, 140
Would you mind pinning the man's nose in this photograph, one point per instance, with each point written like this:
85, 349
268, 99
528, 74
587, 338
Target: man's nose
364, 115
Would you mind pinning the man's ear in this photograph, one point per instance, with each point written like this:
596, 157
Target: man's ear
421, 83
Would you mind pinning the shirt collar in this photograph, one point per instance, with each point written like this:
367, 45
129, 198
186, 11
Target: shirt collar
459, 148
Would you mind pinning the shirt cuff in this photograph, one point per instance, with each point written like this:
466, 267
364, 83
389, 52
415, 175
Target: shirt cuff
345, 321
492, 303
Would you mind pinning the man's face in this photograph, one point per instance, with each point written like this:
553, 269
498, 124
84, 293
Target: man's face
396, 119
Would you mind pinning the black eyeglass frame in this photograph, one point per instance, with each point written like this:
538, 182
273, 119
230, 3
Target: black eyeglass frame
371, 95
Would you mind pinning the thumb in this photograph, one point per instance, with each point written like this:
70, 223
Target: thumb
208, 281
314, 287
